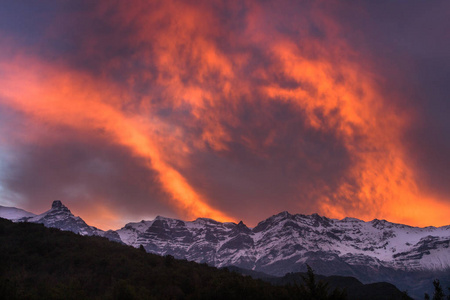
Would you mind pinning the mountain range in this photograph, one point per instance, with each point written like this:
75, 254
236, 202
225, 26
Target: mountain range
408, 257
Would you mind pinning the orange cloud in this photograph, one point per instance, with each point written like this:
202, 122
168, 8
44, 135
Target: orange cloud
193, 59
69, 99
372, 133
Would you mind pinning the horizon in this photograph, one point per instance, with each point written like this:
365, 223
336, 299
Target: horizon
234, 222
226, 110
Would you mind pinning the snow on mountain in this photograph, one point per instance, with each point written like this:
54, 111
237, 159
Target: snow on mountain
370, 251
409, 257
280, 244
12, 213
284, 242
58, 216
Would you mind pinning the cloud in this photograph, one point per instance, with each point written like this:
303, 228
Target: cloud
64, 99
225, 110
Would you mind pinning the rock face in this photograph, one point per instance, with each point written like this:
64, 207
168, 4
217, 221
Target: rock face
285, 243
408, 257
370, 251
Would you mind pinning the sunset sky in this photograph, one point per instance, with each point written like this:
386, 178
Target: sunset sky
232, 110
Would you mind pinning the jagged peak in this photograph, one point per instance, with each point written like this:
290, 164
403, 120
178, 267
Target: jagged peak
378, 221
161, 218
242, 226
169, 222
58, 205
205, 220
284, 214
350, 219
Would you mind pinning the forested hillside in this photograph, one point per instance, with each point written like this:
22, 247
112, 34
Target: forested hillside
45, 263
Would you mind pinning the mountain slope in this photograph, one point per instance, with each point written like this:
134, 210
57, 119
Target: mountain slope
284, 242
406, 256
12, 213
409, 257
45, 263
58, 216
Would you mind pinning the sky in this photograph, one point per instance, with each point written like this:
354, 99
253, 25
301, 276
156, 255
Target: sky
230, 110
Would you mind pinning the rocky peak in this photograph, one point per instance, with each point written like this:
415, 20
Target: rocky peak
380, 224
284, 214
240, 228
318, 220
272, 221
57, 205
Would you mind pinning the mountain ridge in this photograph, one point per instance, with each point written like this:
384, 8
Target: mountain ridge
283, 243
46, 263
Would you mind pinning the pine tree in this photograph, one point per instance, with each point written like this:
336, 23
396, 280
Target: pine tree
438, 292
310, 289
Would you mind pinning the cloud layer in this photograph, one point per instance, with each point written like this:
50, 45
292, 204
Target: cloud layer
225, 110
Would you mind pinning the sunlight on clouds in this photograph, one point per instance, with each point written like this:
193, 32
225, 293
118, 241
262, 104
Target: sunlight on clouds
178, 83
64, 99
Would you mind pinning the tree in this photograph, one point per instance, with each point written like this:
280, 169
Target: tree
310, 289
168, 260
438, 292
405, 295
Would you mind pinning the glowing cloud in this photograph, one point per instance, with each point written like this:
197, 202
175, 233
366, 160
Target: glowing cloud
65, 99
242, 109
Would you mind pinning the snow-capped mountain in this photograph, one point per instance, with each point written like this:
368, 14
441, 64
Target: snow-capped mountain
284, 243
58, 216
370, 251
409, 257
280, 244
14, 214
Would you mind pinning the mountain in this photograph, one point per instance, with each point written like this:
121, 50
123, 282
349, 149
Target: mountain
58, 216
284, 243
409, 257
44, 263
12, 213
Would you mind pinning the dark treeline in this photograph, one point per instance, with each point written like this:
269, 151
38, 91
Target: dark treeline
45, 263
438, 292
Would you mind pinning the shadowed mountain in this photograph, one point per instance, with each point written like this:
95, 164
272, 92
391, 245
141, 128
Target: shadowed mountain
353, 288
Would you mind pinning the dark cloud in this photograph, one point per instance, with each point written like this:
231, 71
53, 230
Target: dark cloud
286, 160
82, 168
